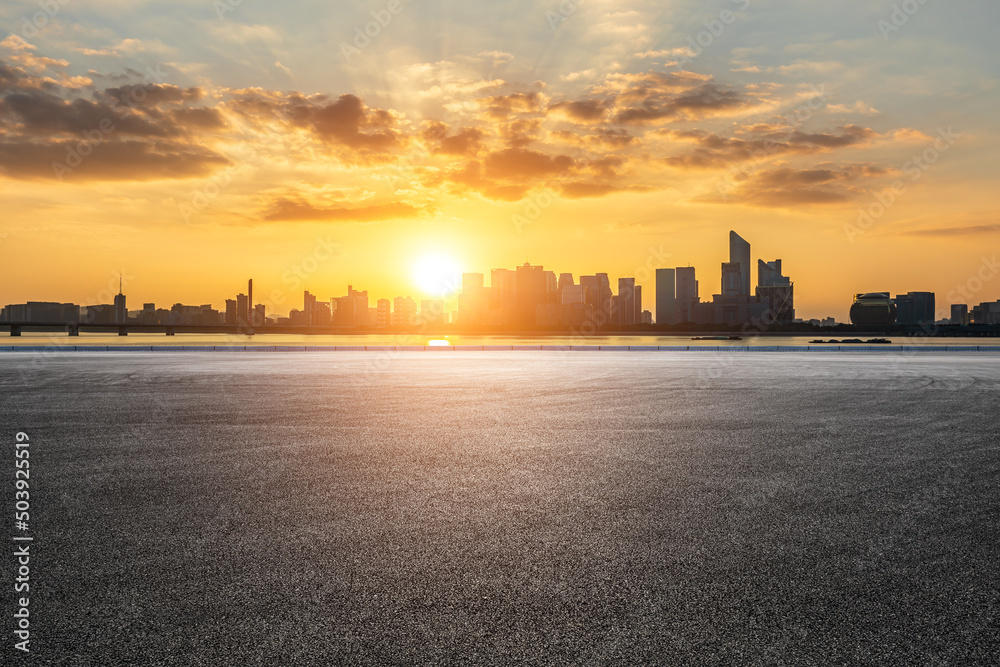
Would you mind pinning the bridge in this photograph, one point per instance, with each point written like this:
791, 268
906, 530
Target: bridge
74, 328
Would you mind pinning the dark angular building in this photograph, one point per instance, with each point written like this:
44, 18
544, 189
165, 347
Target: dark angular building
915, 308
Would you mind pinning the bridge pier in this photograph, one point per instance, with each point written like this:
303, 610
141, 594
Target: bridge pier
15, 330
73, 329
170, 331
122, 331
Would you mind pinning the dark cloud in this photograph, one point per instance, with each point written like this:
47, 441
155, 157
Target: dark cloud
715, 152
149, 95
299, 209
788, 188
42, 114
348, 122
656, 104
586, 111
524, 165
106, 160
467, 141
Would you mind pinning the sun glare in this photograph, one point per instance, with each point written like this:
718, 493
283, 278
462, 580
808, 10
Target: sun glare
437, 275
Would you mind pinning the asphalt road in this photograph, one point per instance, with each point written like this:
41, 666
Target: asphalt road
507, 508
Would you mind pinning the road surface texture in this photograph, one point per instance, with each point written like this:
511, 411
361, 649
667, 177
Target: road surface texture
534, 508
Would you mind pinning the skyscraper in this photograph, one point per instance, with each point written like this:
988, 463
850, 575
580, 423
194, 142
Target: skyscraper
687, 292
309, 307
472, 302
739, 253
776, 291
598, 288
404, 311
626, 290
666, 296
121, 312
383, 313
242, 310
732, 279
503, 284
530, 291
915, 308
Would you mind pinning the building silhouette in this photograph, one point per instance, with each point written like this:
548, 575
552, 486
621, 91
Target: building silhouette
915, 308
666, 296
687, 294
739, 254
776, 291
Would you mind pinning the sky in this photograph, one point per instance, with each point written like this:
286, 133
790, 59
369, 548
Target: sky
191, 145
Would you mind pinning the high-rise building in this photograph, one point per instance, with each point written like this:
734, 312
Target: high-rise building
739, 253
551, 287
598, 288
383, 315
687, 293
259, 315
41, 311
404, 311
915, 308
571, 294
732, 279
242, 310
960, 314
626, 290
472, 302
309, 307
986, 313
775, 291
666, 296
121, 311
503, 286
231, 312
530, 291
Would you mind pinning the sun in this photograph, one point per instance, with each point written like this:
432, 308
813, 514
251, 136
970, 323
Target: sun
437, 275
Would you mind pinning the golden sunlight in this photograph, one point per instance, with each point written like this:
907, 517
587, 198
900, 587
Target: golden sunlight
437, 275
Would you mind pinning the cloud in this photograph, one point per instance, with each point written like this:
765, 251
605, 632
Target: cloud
504, 106
970, 230
715, 152
788, 187
106, 161
467, 141
586, 111
296, 208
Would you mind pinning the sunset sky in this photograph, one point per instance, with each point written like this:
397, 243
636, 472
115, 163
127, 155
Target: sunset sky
196, 144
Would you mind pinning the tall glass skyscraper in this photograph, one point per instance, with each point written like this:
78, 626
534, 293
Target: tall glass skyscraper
666, 297
739, 253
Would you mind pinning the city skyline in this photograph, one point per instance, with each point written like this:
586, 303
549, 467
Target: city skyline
229, 140
529, 297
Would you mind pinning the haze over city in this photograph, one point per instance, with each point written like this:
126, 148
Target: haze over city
193, 144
